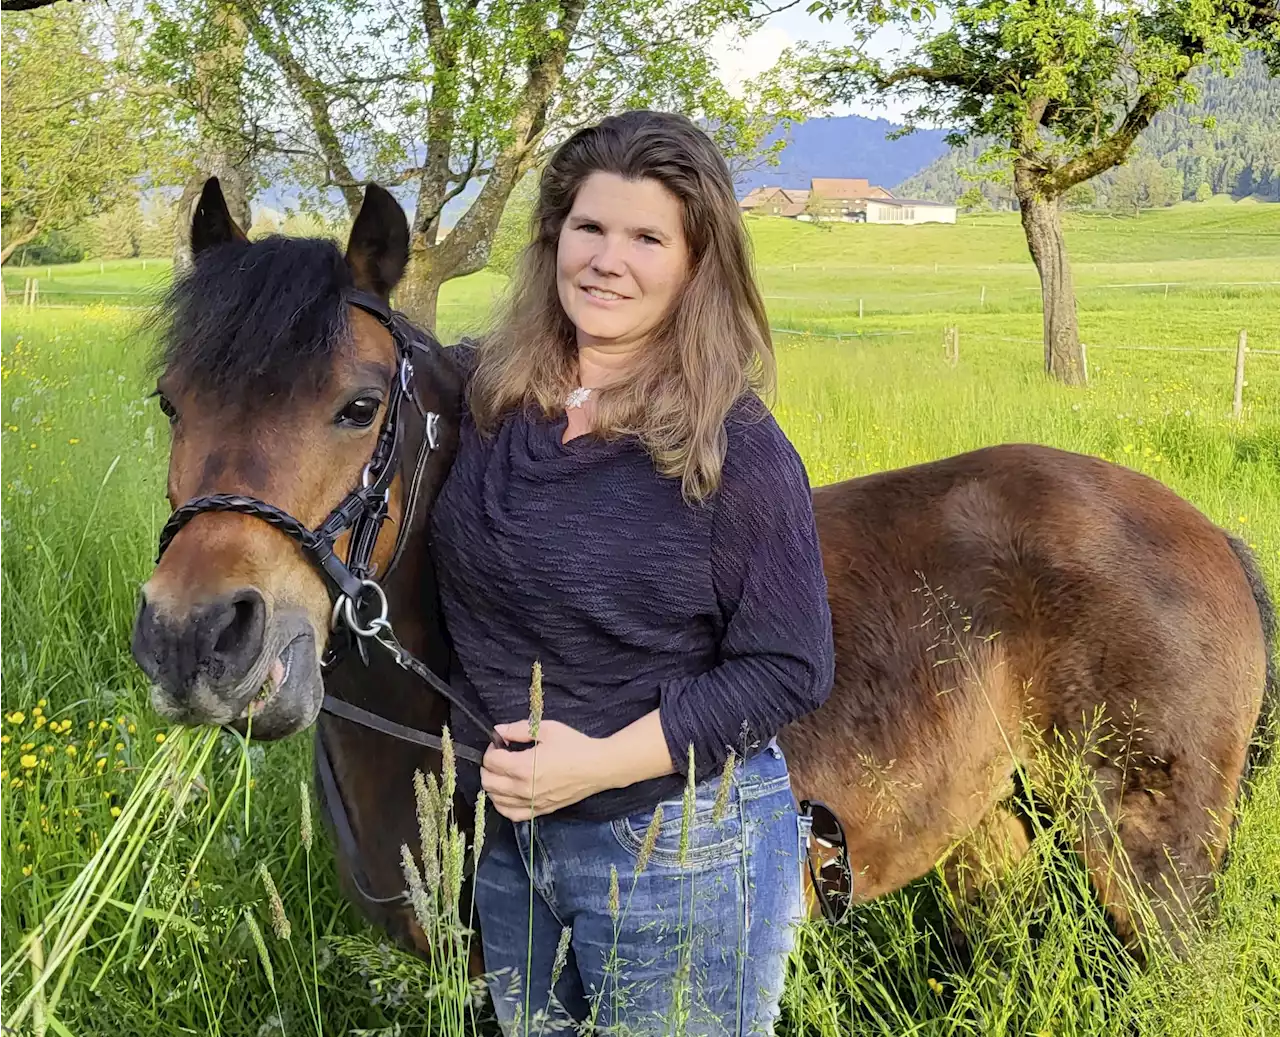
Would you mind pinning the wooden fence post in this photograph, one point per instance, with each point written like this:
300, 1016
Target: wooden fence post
951, 345
1237, 400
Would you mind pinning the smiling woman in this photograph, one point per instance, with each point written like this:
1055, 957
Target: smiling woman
624, 508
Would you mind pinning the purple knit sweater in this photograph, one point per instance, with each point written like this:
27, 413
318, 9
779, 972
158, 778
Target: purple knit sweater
581, 555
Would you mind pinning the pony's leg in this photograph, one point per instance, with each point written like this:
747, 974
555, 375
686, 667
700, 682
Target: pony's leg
987, 855
1152, 841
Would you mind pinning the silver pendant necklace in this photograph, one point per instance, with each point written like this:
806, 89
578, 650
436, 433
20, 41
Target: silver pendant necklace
577, 398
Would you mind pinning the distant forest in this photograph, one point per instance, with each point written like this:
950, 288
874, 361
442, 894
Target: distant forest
1178, 157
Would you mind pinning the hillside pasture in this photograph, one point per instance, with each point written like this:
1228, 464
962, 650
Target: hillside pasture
84, 453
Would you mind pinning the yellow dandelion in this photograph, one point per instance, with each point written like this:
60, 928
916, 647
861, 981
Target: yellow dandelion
17, 717
133, 729
48, 750
40, 722
115, 811
104, 725
36, 711
71, 749
101, 762
73, 441
160, 738
26, 869
4, 739
33, 446
118, 747
28, 761
28, 746
17, 783
42, 703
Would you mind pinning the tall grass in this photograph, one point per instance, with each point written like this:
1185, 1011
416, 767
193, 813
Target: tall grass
83, 495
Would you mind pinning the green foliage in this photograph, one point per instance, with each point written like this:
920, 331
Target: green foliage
1204, 192
1143, 183
57, 246
76, 137
1225, 138
1063, 85
972, 200
513, 230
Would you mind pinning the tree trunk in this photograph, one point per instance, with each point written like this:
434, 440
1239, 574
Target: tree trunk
234, 181
30, 234
1041, 220
418, 295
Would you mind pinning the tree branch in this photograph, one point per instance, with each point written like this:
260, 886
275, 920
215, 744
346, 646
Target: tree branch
27, 235
313, 95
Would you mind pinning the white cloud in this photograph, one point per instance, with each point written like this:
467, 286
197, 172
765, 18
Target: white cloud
743, 58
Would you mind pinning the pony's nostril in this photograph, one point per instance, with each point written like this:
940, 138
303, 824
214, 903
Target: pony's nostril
241, 622
236, 631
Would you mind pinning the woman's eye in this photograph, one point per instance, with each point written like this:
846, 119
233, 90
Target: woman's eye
360, 413
167, 408
649, 239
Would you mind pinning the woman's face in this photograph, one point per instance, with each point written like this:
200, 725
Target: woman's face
622, 259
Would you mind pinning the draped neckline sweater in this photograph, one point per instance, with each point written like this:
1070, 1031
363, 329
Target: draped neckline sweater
582, 556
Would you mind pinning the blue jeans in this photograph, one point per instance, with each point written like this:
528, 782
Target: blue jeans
694, 944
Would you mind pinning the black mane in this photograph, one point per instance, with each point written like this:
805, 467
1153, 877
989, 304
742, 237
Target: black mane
258, 317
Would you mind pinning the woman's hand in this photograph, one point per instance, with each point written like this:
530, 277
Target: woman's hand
566, 767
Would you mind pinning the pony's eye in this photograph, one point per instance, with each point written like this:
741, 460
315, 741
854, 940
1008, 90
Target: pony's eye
359, 413
167, 408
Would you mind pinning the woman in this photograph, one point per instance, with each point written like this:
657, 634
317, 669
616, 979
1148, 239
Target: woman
624, 510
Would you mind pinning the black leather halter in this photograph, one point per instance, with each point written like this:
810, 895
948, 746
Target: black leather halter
360, 605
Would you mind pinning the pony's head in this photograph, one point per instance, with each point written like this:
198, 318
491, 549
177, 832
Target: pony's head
275, 388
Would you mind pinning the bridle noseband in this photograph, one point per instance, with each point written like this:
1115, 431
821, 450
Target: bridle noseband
359, 602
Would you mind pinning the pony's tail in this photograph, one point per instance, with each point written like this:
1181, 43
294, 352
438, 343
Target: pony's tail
1268, 726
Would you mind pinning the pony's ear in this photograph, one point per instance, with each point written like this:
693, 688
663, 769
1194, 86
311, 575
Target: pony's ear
378, 250
212, 223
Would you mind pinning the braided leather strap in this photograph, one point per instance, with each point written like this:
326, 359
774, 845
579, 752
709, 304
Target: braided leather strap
282, 520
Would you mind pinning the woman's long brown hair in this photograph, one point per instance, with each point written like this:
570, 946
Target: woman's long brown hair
711, 347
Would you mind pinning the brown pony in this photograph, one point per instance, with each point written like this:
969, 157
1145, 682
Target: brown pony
986, 607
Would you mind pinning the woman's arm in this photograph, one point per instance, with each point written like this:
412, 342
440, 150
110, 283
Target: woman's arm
776, 654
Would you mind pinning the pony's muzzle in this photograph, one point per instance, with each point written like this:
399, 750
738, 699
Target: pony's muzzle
213, 647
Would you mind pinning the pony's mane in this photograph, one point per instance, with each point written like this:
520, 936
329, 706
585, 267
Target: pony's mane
255, 318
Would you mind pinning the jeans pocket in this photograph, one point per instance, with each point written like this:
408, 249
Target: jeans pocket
707, 841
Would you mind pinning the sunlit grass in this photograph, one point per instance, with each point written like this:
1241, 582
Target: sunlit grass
84, 455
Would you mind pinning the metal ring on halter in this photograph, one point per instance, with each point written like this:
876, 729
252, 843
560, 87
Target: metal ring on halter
406, 376
433, 430
366, 476
353, 621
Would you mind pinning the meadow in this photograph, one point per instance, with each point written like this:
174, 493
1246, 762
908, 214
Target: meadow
859, 314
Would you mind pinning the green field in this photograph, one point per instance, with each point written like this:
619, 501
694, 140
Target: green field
84, 452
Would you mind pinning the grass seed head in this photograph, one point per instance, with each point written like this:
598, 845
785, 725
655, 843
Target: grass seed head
255, 934
448, 767
686, 813
477, 838
304, 805
721, 805
535, 700
427, 795
279, 920
562, 950
650, 840
615, 899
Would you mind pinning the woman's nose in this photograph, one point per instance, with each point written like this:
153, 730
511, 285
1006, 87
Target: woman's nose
608, 257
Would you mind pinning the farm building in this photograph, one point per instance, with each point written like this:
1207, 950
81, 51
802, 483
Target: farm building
908, 211
775, 201
846, 200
